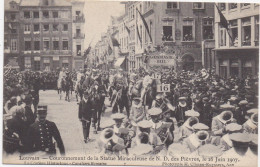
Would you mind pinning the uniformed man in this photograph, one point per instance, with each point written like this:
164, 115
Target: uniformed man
41, 134
180, 111
118, 118
142, 145
198, 138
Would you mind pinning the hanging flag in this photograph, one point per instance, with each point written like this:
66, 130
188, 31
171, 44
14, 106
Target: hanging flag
87, 51
223, 22
127, 29
145, 24
138, 34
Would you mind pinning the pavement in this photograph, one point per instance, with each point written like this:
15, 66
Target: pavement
65, 116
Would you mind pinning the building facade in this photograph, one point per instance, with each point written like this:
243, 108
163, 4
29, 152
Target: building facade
78, 26
12, 34
237, 50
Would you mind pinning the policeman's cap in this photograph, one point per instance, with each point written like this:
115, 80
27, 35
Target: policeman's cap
42, 109
107, 124
254, 139
252, 111
182, 98
200, 126
155, 111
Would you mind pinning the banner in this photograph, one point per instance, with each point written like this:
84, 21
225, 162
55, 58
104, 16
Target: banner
161, 60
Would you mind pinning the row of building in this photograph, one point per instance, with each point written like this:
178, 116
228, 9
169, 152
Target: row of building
183, 36
44, 34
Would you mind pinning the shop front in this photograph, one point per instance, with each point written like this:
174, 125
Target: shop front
237, 63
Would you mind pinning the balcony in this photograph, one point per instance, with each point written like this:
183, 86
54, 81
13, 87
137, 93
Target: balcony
65, 51
36, 32
79, 36
79, 19
36, 51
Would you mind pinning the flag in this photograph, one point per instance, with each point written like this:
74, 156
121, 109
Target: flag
127, 29
87, 51
145, 24
223, 20
138, 34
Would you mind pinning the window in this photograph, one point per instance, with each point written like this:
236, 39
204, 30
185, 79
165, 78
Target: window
36, 27
65, 45
246, 68
78, 31
246, 31
45, 14
55, 14
56, 45
14, 44
222, 6
245, 4
12, 16
46, 45
198, 5
257, 31
36, 45
27, 45
222, 36
27, 62
37, 65
46, 63
27, 28
234, 32
64, 14
36, 15
46, 27
187, 30
55, 27
65, 27
78, 50
208, 29
77, 13
172, 5
233, 6
167, 33
26, 15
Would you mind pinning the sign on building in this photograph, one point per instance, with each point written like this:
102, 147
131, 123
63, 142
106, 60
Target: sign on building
161, 59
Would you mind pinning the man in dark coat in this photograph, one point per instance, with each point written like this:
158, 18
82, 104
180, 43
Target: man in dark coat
41, 133
85, 114
30, 117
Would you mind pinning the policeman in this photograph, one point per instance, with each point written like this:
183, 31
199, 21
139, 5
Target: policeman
180, 111
41, 134
118, 118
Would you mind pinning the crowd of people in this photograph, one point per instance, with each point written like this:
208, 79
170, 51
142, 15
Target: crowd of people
198, 111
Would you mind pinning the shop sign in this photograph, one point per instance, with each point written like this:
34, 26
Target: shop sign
161, 60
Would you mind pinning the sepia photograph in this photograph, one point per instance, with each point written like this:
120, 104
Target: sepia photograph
136, 83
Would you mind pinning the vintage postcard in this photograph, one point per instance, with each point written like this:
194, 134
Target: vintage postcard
144, 83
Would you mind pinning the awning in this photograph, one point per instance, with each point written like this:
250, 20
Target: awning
119, 61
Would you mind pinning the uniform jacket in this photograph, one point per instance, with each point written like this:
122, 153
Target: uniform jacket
40, 137
85, 107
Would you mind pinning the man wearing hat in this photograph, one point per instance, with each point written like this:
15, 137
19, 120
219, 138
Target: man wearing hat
41, 134
241, 112
85, 114
225, 142
28, 110
118, 118
198, 138
142, 145
180, 111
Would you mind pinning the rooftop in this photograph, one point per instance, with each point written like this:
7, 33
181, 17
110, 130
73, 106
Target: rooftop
45, 3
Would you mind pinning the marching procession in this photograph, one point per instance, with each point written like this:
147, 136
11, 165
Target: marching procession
154, 112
